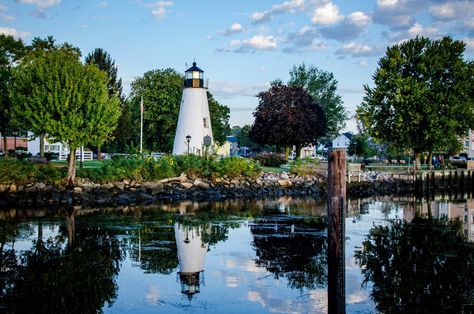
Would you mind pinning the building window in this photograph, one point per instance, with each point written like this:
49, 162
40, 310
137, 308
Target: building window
204, 120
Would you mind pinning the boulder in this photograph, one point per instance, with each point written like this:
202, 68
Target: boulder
186, 185
285, 183
201, 184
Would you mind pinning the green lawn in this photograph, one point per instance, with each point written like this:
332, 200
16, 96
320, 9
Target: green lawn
273, 169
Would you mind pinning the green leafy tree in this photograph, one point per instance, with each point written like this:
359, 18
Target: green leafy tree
219, 119
287, 116
55, 94
11, 50
359, 146
322, 86
243, 137
162, 91
423, 97
102, 59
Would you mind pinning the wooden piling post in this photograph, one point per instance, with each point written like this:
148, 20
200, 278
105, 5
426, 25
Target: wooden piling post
336, 233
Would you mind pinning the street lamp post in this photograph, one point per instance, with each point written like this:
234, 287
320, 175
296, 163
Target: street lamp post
188, 139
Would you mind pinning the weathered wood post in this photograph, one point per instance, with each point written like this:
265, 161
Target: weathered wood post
336, 232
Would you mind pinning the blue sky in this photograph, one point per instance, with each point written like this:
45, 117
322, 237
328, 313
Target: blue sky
242, 45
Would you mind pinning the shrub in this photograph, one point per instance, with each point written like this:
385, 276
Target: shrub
23, 171
233, 167
270, 159
304, 167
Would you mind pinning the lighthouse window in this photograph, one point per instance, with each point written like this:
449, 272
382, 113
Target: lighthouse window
204, 120
195, 74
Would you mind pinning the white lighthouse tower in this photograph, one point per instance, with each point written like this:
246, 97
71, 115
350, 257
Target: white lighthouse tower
191, 255
194, 123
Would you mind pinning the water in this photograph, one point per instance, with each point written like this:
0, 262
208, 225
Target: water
244, 256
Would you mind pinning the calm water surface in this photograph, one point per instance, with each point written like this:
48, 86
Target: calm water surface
244, 256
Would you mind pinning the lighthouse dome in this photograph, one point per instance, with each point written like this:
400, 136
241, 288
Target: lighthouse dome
194, 77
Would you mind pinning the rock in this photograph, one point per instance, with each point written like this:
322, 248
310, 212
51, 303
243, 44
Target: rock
284, 183
284, 176
120, 185
186, 185
201, 184
108, 186
77, 189
156, 188
13, 188
126, 181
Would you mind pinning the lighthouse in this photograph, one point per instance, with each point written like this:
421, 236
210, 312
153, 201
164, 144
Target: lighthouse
192, 252
194, 132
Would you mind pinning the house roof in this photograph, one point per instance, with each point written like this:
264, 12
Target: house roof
348, 135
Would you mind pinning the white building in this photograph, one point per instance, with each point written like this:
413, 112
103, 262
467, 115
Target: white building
191, 255
342, 141
194, 122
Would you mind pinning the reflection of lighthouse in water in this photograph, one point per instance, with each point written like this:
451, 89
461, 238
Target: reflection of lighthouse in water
191, 254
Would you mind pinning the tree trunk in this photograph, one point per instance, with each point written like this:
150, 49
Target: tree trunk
71, 228
287, 152
41, 138
298, 151
417, 162
99, 153
71, 169
5, 143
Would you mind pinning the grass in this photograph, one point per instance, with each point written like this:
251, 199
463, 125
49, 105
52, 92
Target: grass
273, 169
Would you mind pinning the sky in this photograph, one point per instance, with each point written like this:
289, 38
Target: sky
243, 45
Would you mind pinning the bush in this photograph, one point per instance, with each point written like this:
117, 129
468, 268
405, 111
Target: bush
233, 167
23, 171
304, 167
270, 159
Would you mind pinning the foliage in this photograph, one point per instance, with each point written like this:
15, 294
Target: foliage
304, 167
11, 50
270, 159
322, 87
423, 96
149, 169
243, 137
161, 91
287, 116
425, 266
23, 171
359, 146
220, 115
102, 59
54, 94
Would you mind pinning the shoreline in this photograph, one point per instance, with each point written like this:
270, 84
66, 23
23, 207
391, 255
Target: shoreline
129, 192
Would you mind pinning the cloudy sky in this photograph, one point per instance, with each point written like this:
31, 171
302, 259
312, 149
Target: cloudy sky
242, 45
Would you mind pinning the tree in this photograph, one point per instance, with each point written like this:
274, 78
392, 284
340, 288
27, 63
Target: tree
101, 59
287, 116
161, 91
55, 94
322, 86
423, 97
11, 50
359, 146
219, 119
243, 137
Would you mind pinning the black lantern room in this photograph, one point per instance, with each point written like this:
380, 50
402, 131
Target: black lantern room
194, 77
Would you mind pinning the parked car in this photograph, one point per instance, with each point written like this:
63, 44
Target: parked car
157, 155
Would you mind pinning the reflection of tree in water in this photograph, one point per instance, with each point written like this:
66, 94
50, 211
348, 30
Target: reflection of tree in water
294, 248
53, 277
419, 267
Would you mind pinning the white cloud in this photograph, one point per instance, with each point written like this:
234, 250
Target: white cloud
469, 44
326, 14
359, 18
357, 50
231, 89
418, 30
159, 8
233, 29
13, 32
363, 63
43, 4
452, 10
387, 3
102, 4
305, 40
349, 29
261, 42
290, 6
